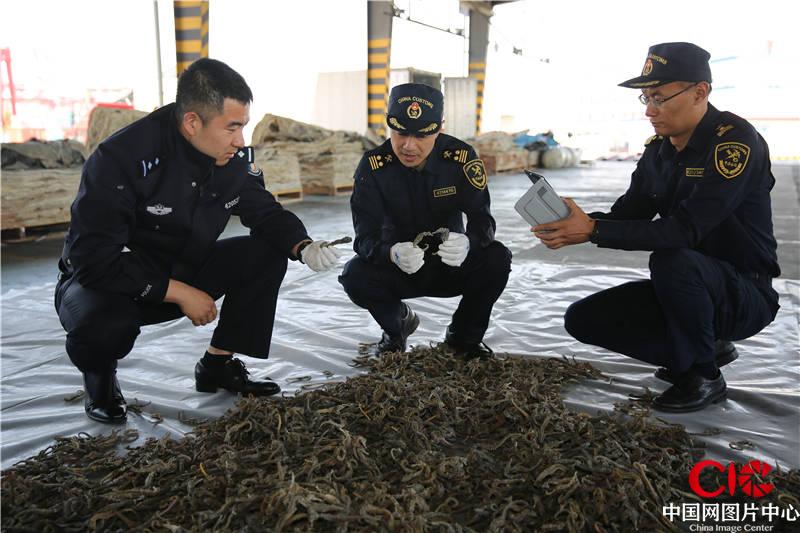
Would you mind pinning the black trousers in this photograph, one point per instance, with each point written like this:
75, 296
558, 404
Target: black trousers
102, 326
673, 319
481, 279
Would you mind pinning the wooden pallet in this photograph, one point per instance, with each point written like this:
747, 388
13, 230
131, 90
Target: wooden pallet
289, 196
33, 233
498, 163
327, 190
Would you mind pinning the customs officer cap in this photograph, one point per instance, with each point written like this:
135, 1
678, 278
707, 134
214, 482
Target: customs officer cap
668, 62
415, 109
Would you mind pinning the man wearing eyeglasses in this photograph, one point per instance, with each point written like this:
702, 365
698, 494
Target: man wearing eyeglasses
706, 174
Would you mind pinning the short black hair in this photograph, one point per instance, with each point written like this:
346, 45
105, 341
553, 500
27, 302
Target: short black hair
204, 86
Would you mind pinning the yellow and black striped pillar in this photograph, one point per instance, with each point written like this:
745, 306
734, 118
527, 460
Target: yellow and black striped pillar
478, 72
191, 32
379, 39
478, 44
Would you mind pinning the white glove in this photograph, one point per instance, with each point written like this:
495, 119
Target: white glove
407, 257
318, 256
454, 250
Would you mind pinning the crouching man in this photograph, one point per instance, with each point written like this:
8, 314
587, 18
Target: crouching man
409, 199
706, 174
142, 247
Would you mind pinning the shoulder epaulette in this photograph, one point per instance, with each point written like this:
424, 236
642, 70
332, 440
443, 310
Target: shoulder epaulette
247, 154
456, 155
454, 149
653, 138
722, 129
379, 160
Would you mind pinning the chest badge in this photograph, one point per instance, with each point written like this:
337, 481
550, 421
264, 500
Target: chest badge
159, 209
476, 174
731, 158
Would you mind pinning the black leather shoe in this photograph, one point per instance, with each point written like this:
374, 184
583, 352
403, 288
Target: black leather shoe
691, 392
397, 343
104, 401
467, 350
473, 351
724, 353
231, 377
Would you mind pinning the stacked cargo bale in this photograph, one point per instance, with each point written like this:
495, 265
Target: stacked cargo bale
560, 157
281, 173
499, 153
43, 154
104, 121
327, 159
545, 151
40, 179
534, 158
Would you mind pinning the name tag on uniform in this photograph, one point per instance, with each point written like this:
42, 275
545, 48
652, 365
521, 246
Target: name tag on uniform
447, 191
694, 172
232, 203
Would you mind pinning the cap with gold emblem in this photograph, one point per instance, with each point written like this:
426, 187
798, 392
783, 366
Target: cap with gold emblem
668, 62
415, 109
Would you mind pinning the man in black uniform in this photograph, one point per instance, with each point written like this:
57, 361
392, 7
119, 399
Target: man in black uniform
707, 176
418, 181
142, 246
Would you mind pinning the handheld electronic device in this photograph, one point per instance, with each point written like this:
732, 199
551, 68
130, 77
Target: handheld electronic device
540, 204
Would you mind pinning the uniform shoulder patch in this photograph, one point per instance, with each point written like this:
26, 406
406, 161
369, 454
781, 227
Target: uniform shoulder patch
378, 161
731, 158
653, 138
476, 174
253, 170
722, 129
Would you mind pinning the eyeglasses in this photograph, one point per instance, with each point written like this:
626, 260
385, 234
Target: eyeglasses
658, 101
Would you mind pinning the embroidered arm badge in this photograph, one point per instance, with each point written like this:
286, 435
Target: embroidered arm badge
731, 158
476, 174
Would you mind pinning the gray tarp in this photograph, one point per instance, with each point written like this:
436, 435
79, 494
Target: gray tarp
318, 329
